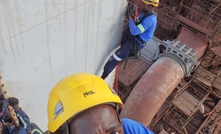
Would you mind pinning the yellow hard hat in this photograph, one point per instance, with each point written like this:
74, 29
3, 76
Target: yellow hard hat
76, 93
151, 2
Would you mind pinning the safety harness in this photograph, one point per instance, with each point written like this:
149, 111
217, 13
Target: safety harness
134, 42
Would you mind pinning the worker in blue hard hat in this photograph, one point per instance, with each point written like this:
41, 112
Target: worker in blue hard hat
135, 36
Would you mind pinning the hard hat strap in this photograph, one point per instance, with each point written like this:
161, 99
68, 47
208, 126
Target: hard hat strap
63, 128
67, 128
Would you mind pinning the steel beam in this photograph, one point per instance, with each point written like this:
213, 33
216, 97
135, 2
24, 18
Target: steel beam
193, 25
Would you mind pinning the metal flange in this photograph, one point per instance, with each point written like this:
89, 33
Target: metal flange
184, 55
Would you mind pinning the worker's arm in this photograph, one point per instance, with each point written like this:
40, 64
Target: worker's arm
24, 121
140, 28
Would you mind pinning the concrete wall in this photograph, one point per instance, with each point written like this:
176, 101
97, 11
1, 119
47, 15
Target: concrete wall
42, 41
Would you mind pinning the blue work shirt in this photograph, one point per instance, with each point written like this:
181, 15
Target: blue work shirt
133, 127
144, 29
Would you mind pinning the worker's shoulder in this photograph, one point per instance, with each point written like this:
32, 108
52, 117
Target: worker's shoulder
127, 122
134, 127
151, 15
150, 18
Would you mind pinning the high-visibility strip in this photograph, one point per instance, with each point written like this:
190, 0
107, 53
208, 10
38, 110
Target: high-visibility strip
141, 28
36, 130
116, 57
22, 120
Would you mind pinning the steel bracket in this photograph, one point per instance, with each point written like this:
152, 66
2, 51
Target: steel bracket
183, 54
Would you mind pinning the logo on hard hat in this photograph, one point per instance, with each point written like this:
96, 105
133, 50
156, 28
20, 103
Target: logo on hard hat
88, 93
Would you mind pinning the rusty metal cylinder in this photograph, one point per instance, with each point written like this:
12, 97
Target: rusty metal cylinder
152, 90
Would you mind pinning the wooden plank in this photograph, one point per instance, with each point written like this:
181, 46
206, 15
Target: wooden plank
204, 76
217, 83
186, 103
204, 80
217, 50
204, 72
181, 107
190, 98
163, 132
218, 37
218, 107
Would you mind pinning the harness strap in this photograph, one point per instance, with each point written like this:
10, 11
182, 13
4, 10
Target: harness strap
136, 52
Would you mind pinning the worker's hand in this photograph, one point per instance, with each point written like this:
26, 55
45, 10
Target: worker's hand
130, 13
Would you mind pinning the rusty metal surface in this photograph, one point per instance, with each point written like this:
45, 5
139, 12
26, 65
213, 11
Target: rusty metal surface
193, 25
217, 50
152, 90
217, 84
194, 41
204, 76
186, 103
218, 37
202, 17
212, 123
132, 71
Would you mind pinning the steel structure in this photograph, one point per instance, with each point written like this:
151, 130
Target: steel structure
194, 106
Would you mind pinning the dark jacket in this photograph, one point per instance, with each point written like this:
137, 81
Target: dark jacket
24, 124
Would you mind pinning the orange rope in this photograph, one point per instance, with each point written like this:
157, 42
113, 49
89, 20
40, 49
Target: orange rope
136, 12
116, 79
117, 67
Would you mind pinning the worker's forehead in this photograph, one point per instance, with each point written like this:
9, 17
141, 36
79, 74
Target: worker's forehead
101, 118
97, 111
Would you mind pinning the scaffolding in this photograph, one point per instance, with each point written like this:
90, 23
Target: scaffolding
202, 89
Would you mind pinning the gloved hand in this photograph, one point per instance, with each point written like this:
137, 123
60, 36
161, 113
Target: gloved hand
130, 10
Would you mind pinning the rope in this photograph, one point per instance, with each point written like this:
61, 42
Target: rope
116, 79
134, 41
117, 68
136, 11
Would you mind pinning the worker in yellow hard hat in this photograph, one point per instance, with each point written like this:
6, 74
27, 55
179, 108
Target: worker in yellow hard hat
151, 2
137, 33
84, 104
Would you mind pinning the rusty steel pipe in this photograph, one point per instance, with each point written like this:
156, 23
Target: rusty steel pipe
152, 90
